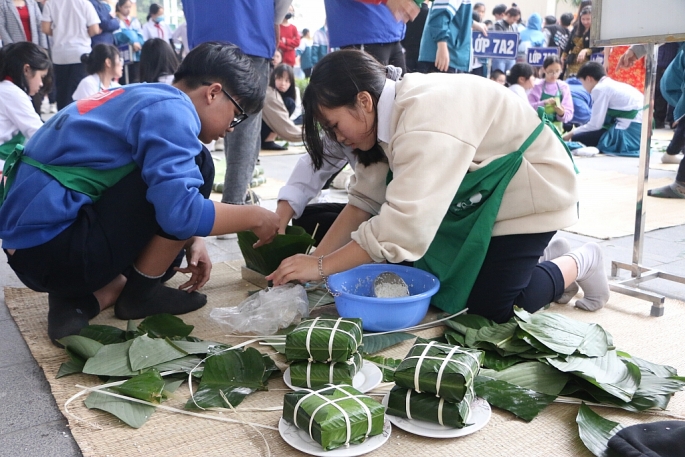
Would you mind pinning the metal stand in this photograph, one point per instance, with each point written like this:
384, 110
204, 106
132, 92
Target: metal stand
640, 273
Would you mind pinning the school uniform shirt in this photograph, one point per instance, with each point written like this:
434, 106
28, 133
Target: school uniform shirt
152, 29
610, 94
541, 86
449, 21
154, 125
519, 91
303, 183
70, 21
429, 159
90, 85
16, 113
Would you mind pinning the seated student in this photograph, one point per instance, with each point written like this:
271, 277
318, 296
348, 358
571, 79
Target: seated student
107, 238
279, 105
499, 77
104, 67
552, 95
582, 104
521, 79
616, 121
500, 184
23, 65
158, 62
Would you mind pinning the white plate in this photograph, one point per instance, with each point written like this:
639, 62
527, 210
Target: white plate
480, 415
300, 440
365, 380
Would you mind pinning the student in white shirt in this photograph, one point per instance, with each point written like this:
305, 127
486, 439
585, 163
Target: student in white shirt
158, 62
521, 79
104, 66
155, 27
23, 66
70, 23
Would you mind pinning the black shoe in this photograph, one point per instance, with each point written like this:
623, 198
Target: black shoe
67, 316
272, 146
251, 198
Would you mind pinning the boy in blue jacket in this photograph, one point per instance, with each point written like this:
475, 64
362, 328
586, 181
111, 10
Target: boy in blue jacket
107, 193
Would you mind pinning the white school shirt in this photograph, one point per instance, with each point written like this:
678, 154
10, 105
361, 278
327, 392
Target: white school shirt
91, 85
615, 95
520, 91
70, 21
150, 31
16, 114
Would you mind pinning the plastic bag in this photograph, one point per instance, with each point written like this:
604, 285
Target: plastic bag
266, 311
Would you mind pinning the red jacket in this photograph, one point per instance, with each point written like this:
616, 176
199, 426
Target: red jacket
290, 40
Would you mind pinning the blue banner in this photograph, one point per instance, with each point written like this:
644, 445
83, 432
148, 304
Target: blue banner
498, 45
125, 53
536, 56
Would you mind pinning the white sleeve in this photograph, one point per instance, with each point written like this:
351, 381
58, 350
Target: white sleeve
24, 117
304, 182
47, 14
600, 105
145, 31
92, 17
85, 89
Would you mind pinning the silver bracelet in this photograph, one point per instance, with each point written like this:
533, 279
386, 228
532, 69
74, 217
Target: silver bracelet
324, 278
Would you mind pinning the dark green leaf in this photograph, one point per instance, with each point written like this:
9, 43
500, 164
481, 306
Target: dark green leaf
277, 343
105, 334
147, 386
524, 403
503, 338
70, 367
111, 360
186, 364
200, 347
266, 259
495, 361
318, 297
536, 376
233, 375
465, 321
386, 364
376, 343
133, 414
454, 338
147, 352
83, 347
663, 371
164, 326
595, 431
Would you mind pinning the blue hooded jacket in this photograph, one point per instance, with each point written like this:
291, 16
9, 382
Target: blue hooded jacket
531, 37
673, 83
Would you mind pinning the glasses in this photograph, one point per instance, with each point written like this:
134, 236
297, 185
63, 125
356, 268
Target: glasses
240, 117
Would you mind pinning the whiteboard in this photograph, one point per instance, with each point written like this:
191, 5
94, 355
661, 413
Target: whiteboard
637, 21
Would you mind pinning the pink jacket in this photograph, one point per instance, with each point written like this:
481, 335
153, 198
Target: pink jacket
551, 89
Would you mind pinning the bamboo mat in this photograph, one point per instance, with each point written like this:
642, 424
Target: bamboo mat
553, 433
608, 202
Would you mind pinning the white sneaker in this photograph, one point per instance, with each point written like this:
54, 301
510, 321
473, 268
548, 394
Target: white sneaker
53, 108
587, 151
668, 158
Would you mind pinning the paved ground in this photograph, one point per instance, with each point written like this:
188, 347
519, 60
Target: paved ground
32, 425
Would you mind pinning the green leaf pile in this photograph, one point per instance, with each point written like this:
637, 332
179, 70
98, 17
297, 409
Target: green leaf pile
266, 259
156, 357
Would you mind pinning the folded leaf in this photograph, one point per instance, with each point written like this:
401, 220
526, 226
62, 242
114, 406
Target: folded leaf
523, 403
427, 407
317, 374
266, 259
111, 360
147, 386
536, 376
81, 346
595, 431
324, 340
131, 413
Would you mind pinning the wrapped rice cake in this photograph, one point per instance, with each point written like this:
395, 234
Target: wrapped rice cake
334, 416
324, 340
427, 407
444, 370
317, 374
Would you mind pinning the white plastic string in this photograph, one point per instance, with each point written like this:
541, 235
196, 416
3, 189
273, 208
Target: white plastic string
444, 364
407, 403
417, 369
440, 405
331, 338
307, 341
309, 374
330, 373
449, 346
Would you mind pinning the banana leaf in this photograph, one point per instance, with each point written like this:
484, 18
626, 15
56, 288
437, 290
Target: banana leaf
146, 352
318, 374
522, 402
111, 360
427, 407
230, 377
441, 369
79, 349
595, 431
386, 364
324, 340
536, 376
330, 426
164, 326
463, 322
147, 386
266, 259
376, 343
104, 334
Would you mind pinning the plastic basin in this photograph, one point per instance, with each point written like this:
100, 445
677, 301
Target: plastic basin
356, 297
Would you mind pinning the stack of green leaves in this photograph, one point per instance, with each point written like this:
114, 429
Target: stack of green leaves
434, 383
266, 259
154, 359
334, 416
534, 358
324, 351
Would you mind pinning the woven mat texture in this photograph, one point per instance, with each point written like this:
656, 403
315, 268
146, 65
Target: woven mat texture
553, 433
608, 202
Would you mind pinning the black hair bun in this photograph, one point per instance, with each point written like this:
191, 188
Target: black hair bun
85, 58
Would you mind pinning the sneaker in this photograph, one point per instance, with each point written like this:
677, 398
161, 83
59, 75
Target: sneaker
588, 151
251, 198
273, 146
53, 108
668, 158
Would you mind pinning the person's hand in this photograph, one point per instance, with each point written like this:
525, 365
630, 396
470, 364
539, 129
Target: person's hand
442, 57
300, 267
567, 136
582, 55
285, 213
627, 60
403, 10
268, 226
137, 47
199, 265
479, 27
549, 101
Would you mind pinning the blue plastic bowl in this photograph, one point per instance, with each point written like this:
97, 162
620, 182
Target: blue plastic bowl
356, 297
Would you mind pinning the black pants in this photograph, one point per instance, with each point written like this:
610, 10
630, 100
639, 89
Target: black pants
385, 53
104, 240
429, 67
589, 138
323, 214
511, 276
67, 78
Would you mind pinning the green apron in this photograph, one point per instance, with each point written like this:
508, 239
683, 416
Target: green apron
613, 114
88, 181
550, 113
458, 250
7, 148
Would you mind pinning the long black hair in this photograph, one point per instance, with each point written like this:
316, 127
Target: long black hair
157, 59
279, 72
335, 83
214, 61
95, 61
13, 58
519, 70
578, 29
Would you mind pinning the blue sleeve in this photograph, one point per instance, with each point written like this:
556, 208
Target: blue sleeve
164, 138
439, 19
673, 84
107, 22
318, 52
